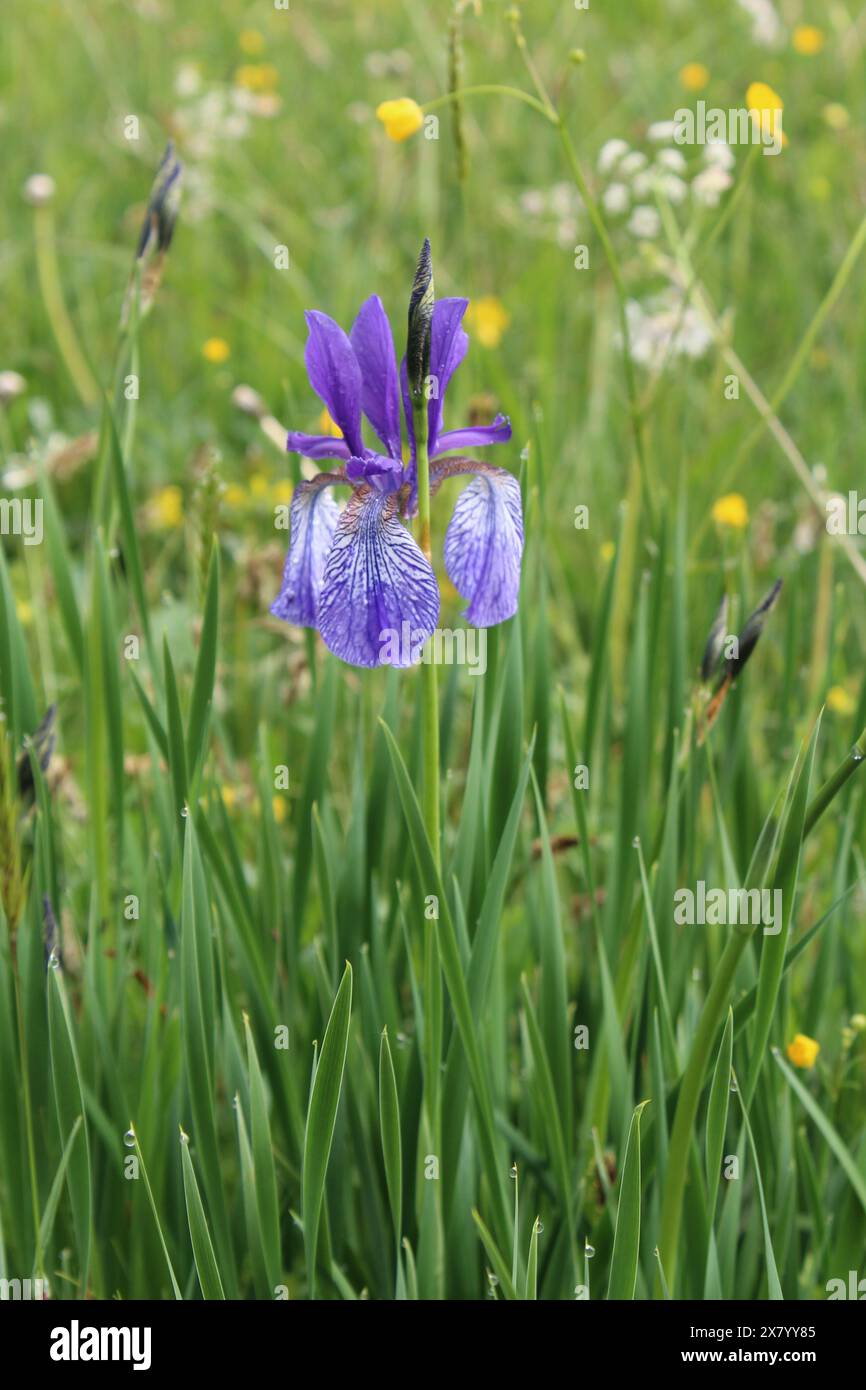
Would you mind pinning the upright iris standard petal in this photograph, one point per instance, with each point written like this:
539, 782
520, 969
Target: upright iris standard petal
317, 446
373, 345
484, 541
380, 599
475, 436
448, 346
335, 375
313, 519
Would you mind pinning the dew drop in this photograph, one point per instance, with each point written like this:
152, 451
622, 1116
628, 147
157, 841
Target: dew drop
129, 1138
539, 1226
589, 1250
635, 844
514, 1170
54, 959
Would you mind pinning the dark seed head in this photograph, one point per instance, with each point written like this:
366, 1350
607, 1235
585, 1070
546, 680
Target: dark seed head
748, 638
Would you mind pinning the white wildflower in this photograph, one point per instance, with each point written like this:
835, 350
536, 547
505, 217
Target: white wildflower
615, 198
610, 154
645, 222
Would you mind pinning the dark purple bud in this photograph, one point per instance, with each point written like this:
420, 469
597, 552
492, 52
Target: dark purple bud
163, 204
715, 641
420, 321
748, 638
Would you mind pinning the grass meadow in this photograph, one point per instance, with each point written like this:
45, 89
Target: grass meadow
320, 981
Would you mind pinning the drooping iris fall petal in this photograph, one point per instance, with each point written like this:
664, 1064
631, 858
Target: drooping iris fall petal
484, 541
376, 579
313, 520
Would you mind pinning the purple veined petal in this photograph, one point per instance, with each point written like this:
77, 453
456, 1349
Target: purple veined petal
373, 344
317, 446
380, 599
449, 344
388, 471
475, 436
335, 375
313, 519
484, 540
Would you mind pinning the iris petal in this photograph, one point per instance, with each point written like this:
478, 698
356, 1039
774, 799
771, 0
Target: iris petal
379, 590
484, 541
313, 518
373, 344
317, 446
448, 346
335, 375
475, 436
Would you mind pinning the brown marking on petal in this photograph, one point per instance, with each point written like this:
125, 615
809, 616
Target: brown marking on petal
447, 467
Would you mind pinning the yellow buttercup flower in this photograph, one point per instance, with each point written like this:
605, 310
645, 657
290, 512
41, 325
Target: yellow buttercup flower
401, 117
803, 1051
807, 40
607, 552
279, 808
167, 507
836, 116
257, 77
229, 797
234, 496
731, 510
329, 426
251, 42
216, 350
694, 77
767, 106
487, 319
840, 701
258, 485
282, 492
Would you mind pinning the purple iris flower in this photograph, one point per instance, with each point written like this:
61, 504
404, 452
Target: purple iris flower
356, 573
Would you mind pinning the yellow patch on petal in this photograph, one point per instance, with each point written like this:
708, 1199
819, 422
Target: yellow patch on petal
803, 1051
807, 40
401, 117
487, 319
765, 108
731, 510
216, 350
840, 701
329, 426
694, 77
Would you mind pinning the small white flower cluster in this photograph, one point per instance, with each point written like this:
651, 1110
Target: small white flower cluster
663, 327
632, 178
206, 119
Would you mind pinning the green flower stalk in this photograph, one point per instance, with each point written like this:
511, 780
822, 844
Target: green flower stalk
418, 368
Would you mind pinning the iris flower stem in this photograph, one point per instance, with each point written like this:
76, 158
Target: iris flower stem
430, 712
